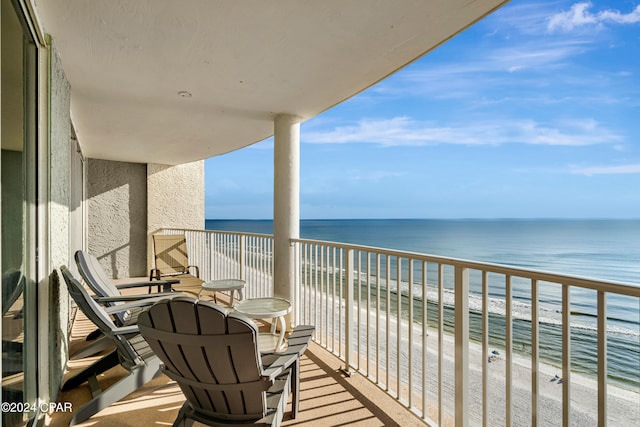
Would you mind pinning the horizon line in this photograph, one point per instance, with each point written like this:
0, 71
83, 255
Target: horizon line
444, 219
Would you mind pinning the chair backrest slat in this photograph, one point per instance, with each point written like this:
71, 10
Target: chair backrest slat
164, 320
95, 277
194, 340
93, 273
224, 353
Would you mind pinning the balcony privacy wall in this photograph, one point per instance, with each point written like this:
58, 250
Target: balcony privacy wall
117, 219
127, 202
175, 198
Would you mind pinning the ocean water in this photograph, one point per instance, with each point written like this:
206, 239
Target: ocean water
600, 249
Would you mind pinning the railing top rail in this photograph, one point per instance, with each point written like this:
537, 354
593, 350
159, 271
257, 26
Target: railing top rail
237, 233
623, 288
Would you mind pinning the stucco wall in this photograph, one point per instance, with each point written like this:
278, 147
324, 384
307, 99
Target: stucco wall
129, 201
60, 140
117, 220
60, 162
175, 197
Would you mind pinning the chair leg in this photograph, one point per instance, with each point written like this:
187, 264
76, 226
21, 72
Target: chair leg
182, 420
98, 367
295, 398
298, 341
136, 378
95, 347
93, 335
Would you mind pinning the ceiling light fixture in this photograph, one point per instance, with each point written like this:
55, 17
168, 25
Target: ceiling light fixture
185, 94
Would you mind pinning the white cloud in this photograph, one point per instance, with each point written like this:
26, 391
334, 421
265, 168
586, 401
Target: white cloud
632, 17
608, 170
527, 18
531, 56
403, 131
579, 15
484, 71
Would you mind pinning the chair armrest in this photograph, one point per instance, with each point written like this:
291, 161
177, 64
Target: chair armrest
197, 270
298, 341
134, 304
299, 338
143, 297
276, 364
166, 284
125, 330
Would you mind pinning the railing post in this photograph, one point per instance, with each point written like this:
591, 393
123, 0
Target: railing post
535, 347
508, 348
566, 356
602, 359
212, 256
462, 346
348, 312
485, 348
296, 282
242, 255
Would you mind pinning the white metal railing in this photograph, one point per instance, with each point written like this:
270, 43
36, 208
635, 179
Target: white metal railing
368, 306
227, 255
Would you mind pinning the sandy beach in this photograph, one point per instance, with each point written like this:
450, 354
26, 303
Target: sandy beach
623, 405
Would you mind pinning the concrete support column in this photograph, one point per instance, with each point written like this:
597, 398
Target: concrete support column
286, 205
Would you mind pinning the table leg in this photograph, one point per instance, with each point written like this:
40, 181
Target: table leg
283, 326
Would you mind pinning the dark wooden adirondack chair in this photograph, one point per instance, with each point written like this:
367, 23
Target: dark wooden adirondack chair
108, 294
131, 352
212, 353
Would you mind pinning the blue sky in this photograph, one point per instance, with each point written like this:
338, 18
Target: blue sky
534, 112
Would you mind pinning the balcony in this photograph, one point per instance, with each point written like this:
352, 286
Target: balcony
465, 357
327, 397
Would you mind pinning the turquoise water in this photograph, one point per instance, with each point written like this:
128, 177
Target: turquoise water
600, 249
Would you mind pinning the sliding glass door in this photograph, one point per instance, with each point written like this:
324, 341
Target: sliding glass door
18, 229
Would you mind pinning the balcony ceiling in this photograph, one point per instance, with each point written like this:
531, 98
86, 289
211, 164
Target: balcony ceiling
169, 82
